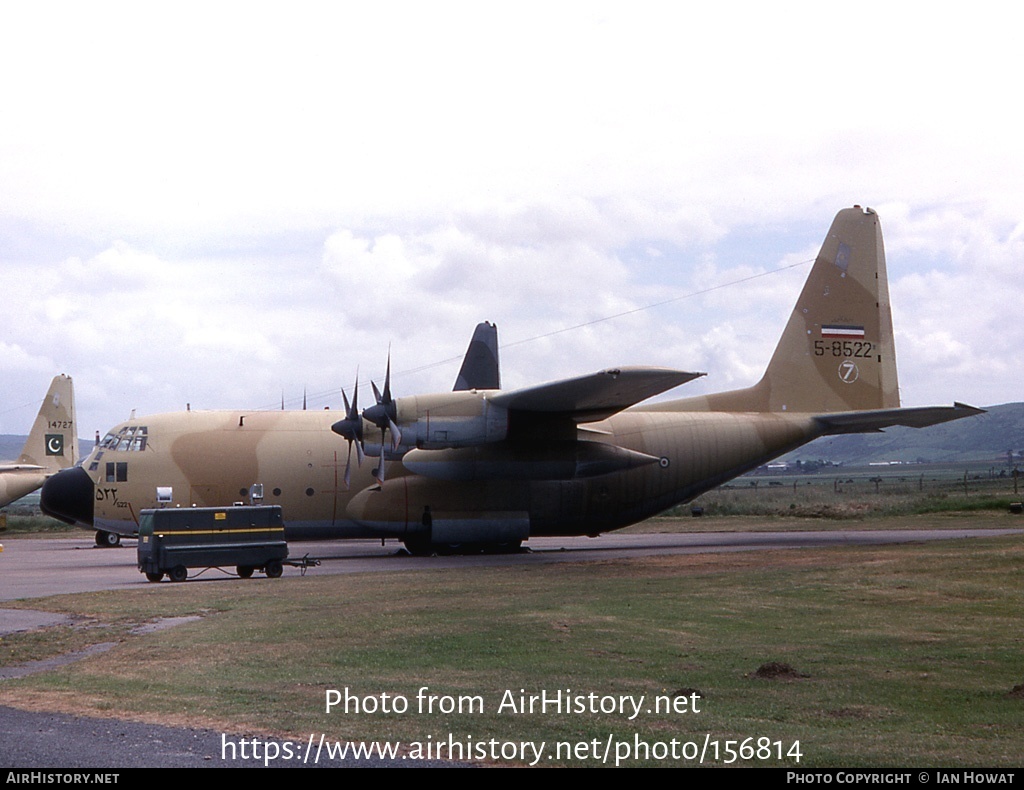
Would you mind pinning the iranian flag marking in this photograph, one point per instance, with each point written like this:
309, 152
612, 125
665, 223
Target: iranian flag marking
842, 331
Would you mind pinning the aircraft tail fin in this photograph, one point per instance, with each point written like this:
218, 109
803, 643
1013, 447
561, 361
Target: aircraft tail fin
53, 442
837, 352
480, 369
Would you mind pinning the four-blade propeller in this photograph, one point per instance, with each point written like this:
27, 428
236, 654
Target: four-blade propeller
383, 414
351, 428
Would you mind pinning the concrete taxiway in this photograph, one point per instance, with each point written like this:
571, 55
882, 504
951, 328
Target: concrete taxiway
34, 568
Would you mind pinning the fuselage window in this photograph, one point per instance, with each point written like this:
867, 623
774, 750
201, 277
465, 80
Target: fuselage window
117, 472
132, 439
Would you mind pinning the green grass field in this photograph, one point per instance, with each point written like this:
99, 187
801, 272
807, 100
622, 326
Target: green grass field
900, 655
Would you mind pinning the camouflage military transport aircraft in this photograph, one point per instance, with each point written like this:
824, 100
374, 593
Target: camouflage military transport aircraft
484, 467
51, 446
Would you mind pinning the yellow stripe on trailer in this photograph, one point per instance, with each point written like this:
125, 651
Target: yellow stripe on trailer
218, 531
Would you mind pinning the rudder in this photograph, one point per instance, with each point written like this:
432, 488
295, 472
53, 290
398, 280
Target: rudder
53, 440
837, 352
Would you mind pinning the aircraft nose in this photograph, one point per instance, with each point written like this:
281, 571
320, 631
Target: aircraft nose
69, 495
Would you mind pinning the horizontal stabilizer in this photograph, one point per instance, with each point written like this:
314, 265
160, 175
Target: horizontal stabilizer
597, 395
21, 468
868, 421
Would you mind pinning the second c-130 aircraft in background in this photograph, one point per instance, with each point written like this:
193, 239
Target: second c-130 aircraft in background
480, 466
51, 445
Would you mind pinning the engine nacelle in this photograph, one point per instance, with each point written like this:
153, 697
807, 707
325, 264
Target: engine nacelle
440, 421
450, 419
552, 460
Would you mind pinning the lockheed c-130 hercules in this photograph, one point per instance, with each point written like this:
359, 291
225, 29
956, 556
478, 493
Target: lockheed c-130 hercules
481, 466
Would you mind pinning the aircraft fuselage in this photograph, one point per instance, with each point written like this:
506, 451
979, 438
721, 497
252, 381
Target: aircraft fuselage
215, 458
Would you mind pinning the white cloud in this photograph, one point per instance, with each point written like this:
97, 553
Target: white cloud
215, 204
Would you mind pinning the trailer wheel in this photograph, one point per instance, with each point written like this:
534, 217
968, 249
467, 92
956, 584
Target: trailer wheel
244, 571
273, 569
154, 577
178, 573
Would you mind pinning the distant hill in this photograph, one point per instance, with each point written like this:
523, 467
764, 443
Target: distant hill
10, 446
986, 437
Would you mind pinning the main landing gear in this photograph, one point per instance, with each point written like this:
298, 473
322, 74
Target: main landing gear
107, 540
422, 547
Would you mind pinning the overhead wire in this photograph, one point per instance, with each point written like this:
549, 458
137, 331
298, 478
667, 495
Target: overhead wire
583, 325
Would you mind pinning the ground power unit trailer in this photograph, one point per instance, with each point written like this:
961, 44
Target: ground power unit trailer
250, 538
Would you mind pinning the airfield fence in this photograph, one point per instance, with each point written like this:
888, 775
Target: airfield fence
854, 492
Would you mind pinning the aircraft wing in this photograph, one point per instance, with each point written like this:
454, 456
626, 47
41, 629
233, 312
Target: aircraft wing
594, 396
876, 420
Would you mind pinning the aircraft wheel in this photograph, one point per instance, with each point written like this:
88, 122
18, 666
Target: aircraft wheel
178, 573
418, 547
106, 539
273, 569
244, 571
154, 577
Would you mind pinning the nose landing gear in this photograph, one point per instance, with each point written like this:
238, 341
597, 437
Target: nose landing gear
107, 540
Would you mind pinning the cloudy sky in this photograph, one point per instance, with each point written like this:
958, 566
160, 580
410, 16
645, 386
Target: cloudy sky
226, 203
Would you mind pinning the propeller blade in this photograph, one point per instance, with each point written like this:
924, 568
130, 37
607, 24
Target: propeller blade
380, 466
387, 379
351, 427
384, 414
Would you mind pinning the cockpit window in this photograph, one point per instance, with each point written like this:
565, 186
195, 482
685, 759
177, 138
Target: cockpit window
131, 438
